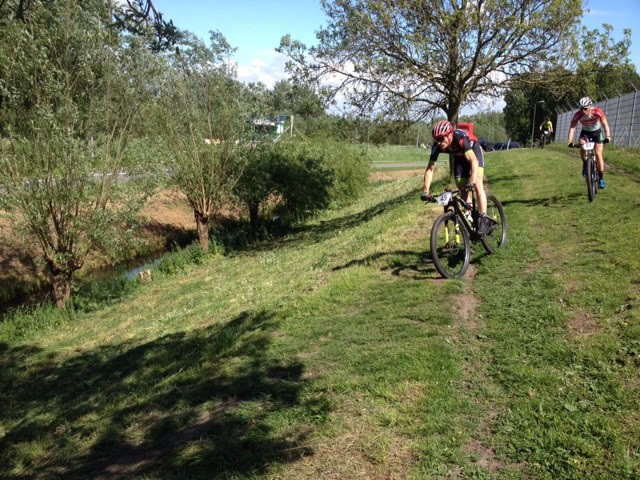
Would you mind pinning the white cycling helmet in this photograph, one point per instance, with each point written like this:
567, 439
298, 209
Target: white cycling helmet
585, 102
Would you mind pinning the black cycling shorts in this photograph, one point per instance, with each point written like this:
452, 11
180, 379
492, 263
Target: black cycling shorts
596, 136
462, 167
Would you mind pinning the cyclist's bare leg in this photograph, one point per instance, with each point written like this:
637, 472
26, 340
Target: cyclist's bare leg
599, 158
583, 153
461, 183
480, 193
481, 197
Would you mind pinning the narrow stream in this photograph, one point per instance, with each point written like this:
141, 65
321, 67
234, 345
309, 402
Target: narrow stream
129, 270
150, 265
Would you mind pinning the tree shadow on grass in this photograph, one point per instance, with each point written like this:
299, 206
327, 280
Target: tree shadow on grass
328, 228
497, 178
400, 263
552, 201
191, 405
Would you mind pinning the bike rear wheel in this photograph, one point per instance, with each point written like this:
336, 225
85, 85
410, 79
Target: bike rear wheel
497, 237
450, 246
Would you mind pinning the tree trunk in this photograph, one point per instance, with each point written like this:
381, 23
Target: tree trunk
62, 276
202, 226
62, 289
254, 217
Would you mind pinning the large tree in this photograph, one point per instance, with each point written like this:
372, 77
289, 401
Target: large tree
70, 91
414, 58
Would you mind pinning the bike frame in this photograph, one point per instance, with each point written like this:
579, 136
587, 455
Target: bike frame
592, 169
544, 137
453, 232
459, 206
591, 166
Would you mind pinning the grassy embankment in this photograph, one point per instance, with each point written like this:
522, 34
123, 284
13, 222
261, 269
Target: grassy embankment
339, 353
397, 153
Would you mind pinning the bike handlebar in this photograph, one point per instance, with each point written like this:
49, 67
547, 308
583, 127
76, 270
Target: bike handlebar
434, 198
573, 145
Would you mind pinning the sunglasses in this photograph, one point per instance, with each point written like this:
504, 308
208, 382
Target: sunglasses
584, 109
440, 139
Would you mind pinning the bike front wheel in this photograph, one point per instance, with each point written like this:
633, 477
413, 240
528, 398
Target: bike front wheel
497, 237
592, 178
450, 246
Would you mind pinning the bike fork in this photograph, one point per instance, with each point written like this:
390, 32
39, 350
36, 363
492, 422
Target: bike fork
457, 234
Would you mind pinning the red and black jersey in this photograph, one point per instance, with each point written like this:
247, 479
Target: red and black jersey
460, 143
591, 122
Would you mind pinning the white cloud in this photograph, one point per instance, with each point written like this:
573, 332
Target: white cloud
267, 69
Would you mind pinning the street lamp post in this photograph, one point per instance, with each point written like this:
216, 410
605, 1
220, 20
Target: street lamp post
533, 120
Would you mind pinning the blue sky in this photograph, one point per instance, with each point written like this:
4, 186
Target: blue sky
255, 27
620, 14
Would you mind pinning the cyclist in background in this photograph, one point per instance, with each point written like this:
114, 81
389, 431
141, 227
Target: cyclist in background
468, 167
593, 122
546, 128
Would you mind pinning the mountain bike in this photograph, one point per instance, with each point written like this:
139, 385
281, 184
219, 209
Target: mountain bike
591, 167
456, 229
545, 138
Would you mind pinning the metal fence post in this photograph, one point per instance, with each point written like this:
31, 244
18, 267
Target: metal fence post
633, 116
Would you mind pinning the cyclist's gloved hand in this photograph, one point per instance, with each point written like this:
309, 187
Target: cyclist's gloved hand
426, 197
606, 140
570, 145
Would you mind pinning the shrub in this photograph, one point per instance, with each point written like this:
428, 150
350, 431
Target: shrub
24, 322
301, 178
181, 259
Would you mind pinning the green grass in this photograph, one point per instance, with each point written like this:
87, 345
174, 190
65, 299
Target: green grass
337, 352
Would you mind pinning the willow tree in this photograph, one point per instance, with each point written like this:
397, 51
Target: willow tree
70, 91
417, 58
206, 113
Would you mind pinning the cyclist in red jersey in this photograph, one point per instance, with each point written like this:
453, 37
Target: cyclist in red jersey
593, 122
468, 166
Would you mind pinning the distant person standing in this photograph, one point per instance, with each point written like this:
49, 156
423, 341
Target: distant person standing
595, 128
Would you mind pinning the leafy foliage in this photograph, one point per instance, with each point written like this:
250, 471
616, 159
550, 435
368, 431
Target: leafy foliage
70, 96
289, 98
